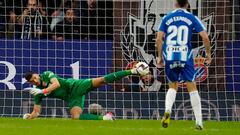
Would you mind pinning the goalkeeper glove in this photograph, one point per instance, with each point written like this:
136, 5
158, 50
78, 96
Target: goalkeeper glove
36, 91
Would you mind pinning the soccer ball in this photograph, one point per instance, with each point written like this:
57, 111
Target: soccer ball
26, 116
95, 109
142, 68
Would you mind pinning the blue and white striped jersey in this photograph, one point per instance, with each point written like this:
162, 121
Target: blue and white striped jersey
178, 26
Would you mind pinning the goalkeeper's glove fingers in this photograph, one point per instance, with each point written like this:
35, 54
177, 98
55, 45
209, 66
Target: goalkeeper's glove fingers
36, 91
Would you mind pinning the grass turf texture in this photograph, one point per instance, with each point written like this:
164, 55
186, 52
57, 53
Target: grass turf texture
17, 126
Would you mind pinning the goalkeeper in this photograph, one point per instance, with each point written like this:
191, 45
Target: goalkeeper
71, 90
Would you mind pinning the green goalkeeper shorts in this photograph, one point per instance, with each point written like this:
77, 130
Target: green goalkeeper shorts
79, 89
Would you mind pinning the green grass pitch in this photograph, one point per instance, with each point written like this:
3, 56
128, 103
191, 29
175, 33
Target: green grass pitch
42, 126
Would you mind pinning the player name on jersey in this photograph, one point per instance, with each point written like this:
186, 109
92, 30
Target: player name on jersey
178, 18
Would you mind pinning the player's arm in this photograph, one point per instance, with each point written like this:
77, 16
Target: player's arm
199, 27
207, 45
36, 108
35, 113
54, 85
159, 42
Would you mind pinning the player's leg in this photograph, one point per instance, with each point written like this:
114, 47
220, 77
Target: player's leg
84, 86
108, 116
76, 114
189, 75
172, 76
169, 101
110, 78
196, 103
171, 96
77, 103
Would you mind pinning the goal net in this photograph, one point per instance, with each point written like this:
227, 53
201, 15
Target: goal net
88, 40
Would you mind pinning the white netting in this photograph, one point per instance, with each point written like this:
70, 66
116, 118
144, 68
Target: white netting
108, 36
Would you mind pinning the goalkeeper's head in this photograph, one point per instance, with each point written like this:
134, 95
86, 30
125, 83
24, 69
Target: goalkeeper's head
33, 78
181, 4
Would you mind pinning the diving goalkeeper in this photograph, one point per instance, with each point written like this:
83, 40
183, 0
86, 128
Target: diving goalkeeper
73, 91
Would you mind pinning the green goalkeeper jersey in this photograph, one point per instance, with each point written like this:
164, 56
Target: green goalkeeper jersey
62, 92
73, 91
